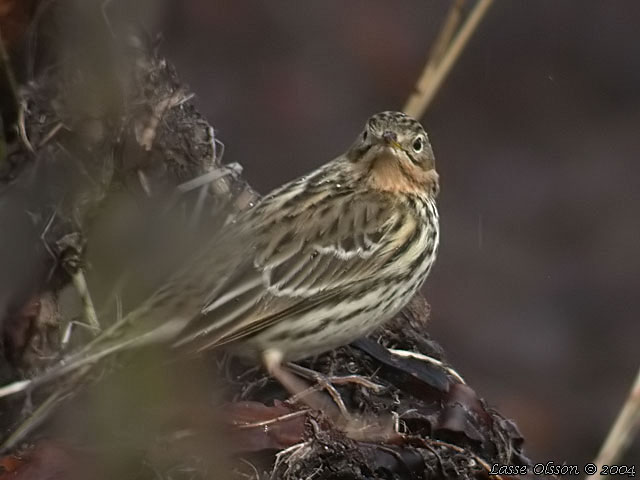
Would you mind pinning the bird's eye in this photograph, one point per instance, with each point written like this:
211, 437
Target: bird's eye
418, 144
365, 135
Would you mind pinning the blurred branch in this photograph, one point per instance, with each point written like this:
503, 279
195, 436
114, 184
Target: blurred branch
447, 32
444, 54
8, 71
35, 419
12, 86
623, 430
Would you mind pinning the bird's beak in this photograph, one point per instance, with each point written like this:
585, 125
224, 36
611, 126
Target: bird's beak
391, 139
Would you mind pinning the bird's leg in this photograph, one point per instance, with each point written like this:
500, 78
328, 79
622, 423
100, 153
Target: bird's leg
365, 429
298, 388
321, 382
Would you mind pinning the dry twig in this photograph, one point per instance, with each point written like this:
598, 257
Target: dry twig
442, 58
623, 430
89, 311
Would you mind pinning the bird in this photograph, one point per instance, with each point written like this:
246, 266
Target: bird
314, 265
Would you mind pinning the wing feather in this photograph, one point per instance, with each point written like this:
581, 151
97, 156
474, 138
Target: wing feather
299, 260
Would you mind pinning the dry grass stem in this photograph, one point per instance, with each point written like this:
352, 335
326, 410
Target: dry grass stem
443, 58
281, 418
207, 178
22, 129
623, 430
52, 133
448, 30
43, 411
88, 310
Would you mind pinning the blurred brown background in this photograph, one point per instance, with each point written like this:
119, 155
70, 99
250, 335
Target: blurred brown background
537, 137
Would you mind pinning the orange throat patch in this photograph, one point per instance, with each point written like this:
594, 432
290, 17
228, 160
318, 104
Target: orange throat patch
389, 173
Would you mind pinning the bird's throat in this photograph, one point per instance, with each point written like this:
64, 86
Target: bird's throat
391, 173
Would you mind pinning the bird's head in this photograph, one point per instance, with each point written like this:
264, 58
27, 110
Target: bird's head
394, 154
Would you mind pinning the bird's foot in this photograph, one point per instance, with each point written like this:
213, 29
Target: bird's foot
355, 426
326, 383
335, 380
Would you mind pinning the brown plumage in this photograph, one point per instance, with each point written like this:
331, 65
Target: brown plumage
315, 264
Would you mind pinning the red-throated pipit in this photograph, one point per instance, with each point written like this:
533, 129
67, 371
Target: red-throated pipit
314, 265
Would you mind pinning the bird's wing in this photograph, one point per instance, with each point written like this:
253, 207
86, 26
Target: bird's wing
300, 260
